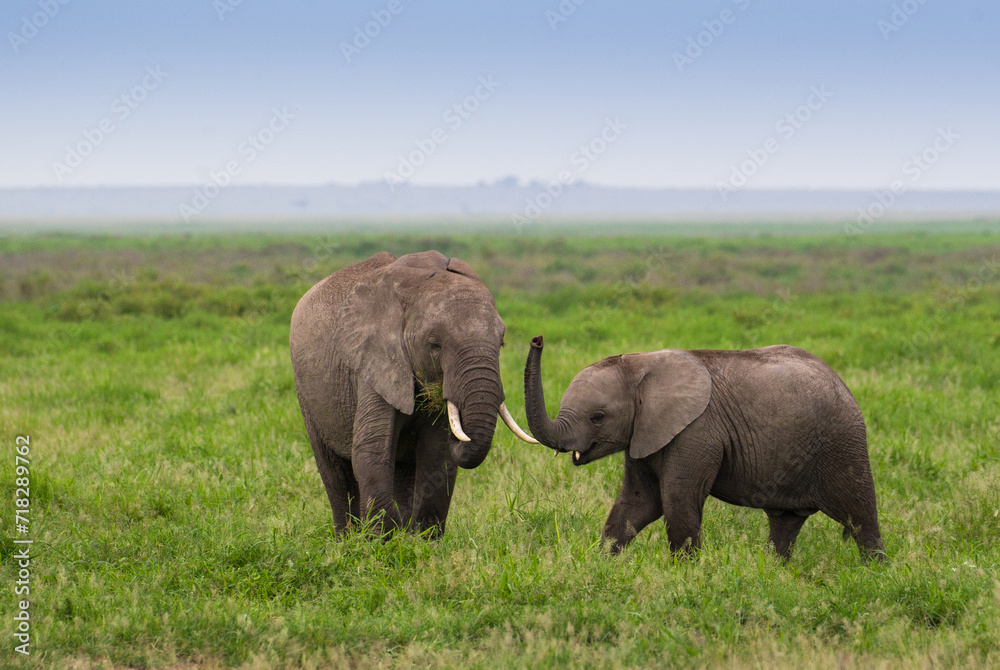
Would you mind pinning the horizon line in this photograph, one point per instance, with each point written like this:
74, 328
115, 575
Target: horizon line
532, 183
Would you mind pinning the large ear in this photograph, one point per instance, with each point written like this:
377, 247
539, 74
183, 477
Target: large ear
674, 391
368, 336
434, 261
458, 266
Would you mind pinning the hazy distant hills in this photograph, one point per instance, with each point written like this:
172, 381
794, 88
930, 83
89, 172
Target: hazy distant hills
506, 199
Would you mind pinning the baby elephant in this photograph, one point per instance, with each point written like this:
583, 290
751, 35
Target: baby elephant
772, 428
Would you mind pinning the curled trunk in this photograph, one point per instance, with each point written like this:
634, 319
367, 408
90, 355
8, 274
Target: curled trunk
552, 434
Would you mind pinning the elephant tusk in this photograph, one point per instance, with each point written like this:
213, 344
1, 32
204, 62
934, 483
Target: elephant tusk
514, 428
456, 423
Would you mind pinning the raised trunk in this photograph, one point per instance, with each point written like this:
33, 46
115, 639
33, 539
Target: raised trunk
473, 383
552, 434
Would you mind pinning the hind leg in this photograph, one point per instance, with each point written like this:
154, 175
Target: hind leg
866, 535
353, 496
784, 527
402, 490
339, 482
859, 517
848, 490
338, 479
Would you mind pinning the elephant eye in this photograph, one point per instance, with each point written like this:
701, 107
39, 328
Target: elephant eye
597, 418
434, 343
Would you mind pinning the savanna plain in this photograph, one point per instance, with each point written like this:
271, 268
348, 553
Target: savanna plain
179, 520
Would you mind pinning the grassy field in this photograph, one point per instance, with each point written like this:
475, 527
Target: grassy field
179, 521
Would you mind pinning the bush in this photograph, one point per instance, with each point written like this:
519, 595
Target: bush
35, 285
168, 299
99, 300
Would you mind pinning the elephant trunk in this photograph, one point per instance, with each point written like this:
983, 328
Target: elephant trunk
553, 434
475, 389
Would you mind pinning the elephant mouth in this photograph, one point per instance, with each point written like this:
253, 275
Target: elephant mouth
586, 456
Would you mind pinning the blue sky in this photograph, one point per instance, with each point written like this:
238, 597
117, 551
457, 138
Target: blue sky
687, 116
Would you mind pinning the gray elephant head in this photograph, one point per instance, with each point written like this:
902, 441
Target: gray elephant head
638, 402
426, 319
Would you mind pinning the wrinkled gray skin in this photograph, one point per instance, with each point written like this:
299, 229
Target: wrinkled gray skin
772, 428
359, 340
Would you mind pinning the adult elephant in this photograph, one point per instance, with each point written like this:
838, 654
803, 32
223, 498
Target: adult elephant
364, 342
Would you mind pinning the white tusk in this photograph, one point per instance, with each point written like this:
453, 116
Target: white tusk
456, 423
514, 428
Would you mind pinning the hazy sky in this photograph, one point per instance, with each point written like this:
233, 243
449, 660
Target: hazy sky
683, 92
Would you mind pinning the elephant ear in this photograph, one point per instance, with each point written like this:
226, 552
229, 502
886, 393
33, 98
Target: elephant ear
458, 266
368, 336
434, 261
674, 391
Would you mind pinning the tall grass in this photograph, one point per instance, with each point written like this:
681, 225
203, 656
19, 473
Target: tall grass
179, 518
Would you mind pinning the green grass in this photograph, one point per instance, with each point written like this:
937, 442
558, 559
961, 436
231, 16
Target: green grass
430, 398
179, 519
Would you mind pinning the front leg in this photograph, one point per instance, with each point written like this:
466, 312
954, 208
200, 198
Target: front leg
637, 505
435, 480
373, 456
688, 469
682, 511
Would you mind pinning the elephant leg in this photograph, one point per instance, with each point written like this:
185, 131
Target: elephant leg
435, 481
373, 456
785, 527
402, 490
682, 511
863, 527
854, 508
687, 472
637, 506
353, 495
336, 475
869, 542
